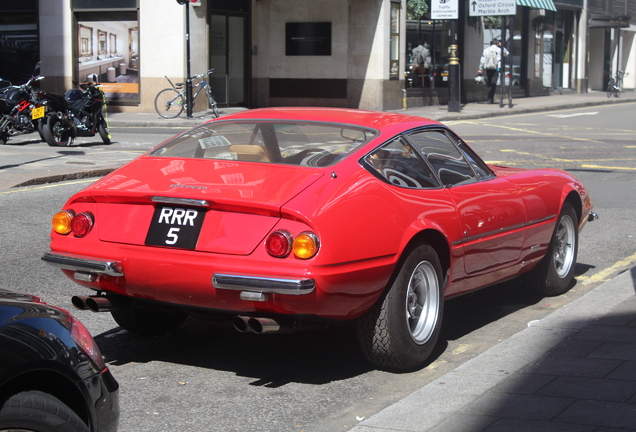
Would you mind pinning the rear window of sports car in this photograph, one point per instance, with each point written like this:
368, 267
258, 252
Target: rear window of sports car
292, 143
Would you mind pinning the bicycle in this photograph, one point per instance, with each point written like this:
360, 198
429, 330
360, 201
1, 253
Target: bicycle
615, 85
171, 102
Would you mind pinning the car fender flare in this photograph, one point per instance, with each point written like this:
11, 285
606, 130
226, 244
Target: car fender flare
433, 236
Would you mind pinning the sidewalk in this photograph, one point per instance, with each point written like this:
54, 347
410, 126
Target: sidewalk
574, 370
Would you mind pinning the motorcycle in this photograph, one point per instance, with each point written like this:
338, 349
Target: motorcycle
78, 113
20, 109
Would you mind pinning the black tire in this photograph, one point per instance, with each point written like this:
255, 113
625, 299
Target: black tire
103, 130
169, 104
216, 110
39, 412
149, 319
41, 129
610, 87
401, 330
55, 133
553, 276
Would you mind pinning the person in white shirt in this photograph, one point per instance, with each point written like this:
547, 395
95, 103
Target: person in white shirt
421, 60
491, 63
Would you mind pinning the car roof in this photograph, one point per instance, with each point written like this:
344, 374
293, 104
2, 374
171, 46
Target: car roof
380, 120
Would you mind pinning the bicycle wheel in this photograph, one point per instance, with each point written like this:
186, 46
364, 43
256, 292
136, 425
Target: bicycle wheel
619, 84
610, 87
169, 103
212, 102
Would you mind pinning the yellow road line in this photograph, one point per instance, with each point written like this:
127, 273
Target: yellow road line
604, 275
608, 167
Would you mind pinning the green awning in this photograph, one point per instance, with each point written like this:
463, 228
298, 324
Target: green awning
539, 4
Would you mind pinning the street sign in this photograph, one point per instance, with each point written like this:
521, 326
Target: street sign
444, 9
492, 7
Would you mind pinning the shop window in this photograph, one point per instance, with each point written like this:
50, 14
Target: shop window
435, 36
108, 52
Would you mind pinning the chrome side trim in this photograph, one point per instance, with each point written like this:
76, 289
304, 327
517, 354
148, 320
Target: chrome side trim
290, 286
83, 264
180, 201
468, 238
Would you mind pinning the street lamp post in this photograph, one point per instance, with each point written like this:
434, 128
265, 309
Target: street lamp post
189, 100
454, 104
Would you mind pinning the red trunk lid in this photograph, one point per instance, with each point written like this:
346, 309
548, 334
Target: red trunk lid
243, 199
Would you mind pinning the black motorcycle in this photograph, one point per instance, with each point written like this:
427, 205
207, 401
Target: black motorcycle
78, 113
20, 109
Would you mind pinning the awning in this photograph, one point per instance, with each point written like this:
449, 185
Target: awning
539, 4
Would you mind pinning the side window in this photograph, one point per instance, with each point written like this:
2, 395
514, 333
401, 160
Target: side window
482, 170
400, 165
445, 158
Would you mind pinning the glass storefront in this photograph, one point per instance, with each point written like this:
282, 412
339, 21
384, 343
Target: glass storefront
434, 36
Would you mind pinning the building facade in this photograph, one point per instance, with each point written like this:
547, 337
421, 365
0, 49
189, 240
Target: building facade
344, 53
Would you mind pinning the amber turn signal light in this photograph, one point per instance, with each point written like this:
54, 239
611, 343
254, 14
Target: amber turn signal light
61, 222
305, 245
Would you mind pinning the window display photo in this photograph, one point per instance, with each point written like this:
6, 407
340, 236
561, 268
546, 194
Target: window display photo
108, 53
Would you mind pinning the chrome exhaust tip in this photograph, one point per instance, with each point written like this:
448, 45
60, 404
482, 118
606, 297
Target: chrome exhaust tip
99, 304
80, 302
263, 325
240, 324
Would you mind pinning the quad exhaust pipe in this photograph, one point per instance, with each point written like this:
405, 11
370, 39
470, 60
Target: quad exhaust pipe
98, 303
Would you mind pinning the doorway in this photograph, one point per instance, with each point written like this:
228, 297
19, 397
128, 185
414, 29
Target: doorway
228, 36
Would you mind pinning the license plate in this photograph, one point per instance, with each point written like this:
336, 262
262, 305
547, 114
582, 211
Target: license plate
175, 227
37, 113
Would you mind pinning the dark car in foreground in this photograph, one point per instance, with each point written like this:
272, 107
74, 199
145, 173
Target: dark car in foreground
52, 375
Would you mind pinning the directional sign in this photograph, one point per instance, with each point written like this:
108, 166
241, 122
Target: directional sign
492, 7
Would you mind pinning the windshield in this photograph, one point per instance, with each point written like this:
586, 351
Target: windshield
293, 143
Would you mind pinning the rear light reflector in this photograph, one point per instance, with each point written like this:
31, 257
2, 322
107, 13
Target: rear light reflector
279, 244
82, 224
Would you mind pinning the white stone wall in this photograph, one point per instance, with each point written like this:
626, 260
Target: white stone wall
56, 43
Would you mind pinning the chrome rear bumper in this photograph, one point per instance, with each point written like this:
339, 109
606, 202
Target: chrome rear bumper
268, 285
83, 264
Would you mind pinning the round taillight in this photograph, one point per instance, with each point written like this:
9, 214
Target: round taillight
82, 224
61, 222
306, 245
279, 244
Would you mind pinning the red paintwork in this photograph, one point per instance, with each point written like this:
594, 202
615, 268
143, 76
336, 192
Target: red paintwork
364, 224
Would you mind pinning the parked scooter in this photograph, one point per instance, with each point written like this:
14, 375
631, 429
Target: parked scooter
20, 109
78, 113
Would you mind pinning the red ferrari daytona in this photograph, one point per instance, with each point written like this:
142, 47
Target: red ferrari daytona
279, 218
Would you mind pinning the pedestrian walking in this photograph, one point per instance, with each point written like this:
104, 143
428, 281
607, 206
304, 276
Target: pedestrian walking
491, 63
